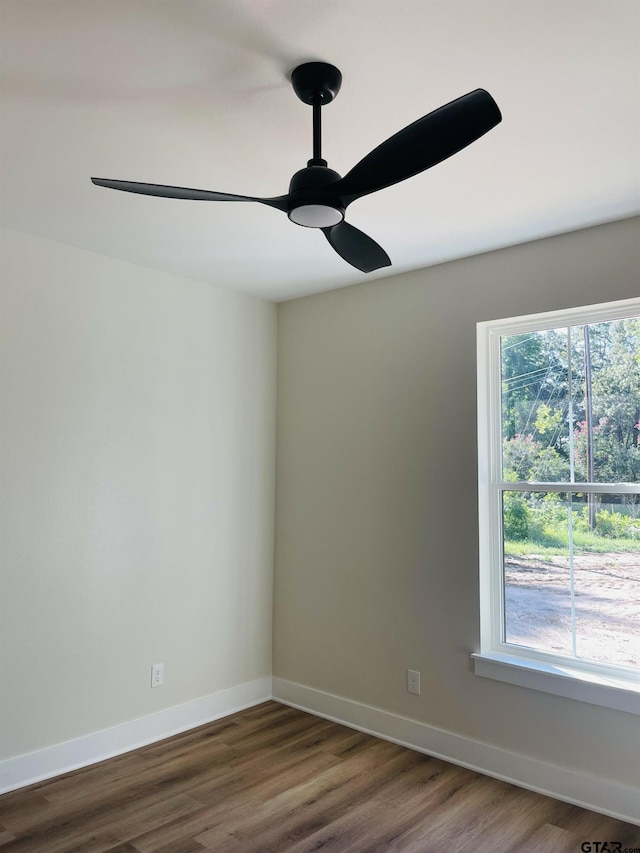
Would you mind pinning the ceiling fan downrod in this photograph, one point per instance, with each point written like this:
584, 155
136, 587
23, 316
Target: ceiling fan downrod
316, 84
317, 135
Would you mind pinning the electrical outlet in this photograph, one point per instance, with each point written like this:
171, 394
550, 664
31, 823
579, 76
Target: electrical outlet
413, 681
157, 674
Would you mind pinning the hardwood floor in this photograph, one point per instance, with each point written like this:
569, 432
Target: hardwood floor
275, 780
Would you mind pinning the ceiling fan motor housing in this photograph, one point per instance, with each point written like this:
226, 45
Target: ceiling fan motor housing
311, 201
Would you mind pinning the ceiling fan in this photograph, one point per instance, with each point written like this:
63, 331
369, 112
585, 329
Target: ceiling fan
318, 197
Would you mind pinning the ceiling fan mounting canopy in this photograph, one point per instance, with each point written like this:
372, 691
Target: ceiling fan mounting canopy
318, 196
316, 81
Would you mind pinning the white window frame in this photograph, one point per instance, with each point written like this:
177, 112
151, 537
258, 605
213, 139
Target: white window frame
599, 684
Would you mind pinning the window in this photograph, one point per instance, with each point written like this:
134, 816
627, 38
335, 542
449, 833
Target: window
559, 502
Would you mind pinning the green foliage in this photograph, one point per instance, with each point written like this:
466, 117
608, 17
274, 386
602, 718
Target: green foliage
529, 460
539, 519
534, 370
552, 511
584, 542
616, 387
533, 522
535, 402
614, 460
516, 516
547, 419
609, 523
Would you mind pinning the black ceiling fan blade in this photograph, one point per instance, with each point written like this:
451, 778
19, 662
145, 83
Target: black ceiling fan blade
280, 202
420, 145
356, 248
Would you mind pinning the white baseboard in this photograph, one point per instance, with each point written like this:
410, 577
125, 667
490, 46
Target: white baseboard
70, 755
599, 795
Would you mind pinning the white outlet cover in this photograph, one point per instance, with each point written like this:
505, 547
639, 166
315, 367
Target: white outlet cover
157, 674
413, 681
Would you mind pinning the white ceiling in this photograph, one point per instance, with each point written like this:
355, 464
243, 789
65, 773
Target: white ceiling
195, 93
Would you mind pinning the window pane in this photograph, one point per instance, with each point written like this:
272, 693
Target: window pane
606, 533
535, 407
607, 412
537, 577
572, 574
597, 393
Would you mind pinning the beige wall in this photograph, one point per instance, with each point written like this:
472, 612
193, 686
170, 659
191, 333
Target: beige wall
138, 436
376, 534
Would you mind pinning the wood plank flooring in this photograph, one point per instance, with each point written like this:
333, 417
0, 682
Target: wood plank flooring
275, 780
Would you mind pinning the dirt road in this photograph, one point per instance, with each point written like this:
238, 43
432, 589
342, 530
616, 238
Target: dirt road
607, 605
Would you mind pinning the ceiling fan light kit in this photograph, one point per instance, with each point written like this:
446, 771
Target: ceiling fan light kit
316, 215
318, 196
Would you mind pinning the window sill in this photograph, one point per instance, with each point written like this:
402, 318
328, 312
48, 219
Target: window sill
561, 680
